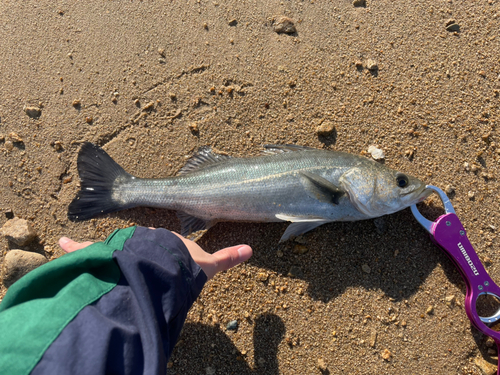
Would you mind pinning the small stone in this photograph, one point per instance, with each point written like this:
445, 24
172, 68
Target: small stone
358, 64
232, 325
9, 146
371, 65
58, 146
148, 107
376, 153
467, 166
77, 103
366, 268
359, 3
210, 371
450, 21
89, 120
14, 137
170, 364
18, 263
489, 342
471, 195
474, 168
33, 112
193, 126
430, 310
295, 272
486, 137
486, 367
373, 339
449, 189
279, 254
233, 22
492, 352
325, 128
284, 25
386, 355
450, 300
161, 51
9, 214
322, 364
453, 27
262, 276
299, 249
18, 231
172, 96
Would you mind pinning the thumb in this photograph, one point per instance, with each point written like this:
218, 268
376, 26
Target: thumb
68, 245
231, 256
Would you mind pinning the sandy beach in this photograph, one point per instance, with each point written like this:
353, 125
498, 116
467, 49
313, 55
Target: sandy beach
152, 81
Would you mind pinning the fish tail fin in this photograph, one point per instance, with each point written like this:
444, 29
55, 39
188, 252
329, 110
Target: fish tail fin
98, 173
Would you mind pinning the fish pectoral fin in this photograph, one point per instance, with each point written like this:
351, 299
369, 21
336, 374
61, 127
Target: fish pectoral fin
190, 224
320, 188
300, 227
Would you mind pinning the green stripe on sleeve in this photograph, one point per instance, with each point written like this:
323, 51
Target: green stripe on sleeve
37, 307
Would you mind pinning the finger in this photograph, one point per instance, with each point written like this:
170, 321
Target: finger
231, 256
68, 245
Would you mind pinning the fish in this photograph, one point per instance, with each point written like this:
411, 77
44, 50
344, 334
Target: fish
306, 186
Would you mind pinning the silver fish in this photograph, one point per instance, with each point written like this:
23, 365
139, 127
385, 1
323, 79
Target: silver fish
306, 186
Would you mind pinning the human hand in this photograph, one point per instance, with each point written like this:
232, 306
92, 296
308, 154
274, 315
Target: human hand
210, 263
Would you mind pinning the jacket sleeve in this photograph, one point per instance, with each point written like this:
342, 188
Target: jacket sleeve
113, 307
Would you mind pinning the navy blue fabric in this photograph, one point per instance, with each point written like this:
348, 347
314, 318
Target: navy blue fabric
133, 328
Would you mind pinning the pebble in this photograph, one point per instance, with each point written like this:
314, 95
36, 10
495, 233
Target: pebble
453, 27
373, 339
18, 263
371, 65
359, 3
295, 272
366, 268
376, 153
9, 214
233, 22
322, 364
193, 126
161, 51
18, 231
489, 342
33, 112
14, 137
471, 195
486, 367
210, 371
262, 276
284, 25
450, 300
449, 189
299, 249
9, 146
77, 103
430, 310
467, 166
232, 325
325, 128
386, 355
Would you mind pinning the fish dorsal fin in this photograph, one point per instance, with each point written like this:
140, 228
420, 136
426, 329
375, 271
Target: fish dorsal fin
201, 159
191, 224
279, 149
320, 188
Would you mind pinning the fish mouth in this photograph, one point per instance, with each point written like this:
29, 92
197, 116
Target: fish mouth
423, 192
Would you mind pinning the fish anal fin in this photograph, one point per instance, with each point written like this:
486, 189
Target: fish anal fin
201, 159
320, 188
300, 227
191, 224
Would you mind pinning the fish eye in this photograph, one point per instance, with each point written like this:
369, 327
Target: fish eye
401, 180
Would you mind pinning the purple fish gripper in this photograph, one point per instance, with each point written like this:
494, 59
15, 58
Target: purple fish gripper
448, 233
